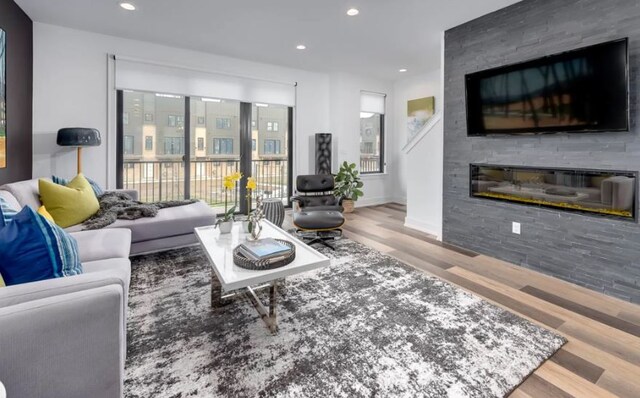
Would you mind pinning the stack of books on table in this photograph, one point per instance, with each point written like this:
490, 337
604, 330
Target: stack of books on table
269, 250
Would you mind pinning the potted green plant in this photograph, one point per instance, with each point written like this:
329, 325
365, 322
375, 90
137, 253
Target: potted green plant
348, 185
229, 184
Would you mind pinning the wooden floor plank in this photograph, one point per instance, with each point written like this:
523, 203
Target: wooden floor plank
578, 308
577, 365
535, 386
570, 382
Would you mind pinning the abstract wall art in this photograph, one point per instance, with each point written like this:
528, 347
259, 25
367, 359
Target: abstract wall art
419, 111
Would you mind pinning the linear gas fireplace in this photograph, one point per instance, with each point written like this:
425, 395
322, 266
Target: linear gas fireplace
607, 193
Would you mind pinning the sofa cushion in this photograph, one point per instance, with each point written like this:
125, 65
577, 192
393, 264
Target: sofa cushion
8, 212
103, 243
44, 213
25, 192
97, 189
172, 221
33, 249
10, 199
69, 205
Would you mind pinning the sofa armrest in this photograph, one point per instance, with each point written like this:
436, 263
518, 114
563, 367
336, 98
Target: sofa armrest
71, 345
131, 192
26, 292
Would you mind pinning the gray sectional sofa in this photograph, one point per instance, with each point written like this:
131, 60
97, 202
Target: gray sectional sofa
171, 228
66, 337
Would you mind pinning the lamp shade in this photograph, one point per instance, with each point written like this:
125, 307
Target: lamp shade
78, 136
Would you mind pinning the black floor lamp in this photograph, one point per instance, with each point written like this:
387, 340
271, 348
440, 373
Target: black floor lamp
78, 137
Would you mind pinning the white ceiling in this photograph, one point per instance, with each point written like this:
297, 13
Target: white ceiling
386, 36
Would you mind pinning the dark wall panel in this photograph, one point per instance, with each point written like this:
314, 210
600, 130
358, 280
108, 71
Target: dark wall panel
19, 29
601, 254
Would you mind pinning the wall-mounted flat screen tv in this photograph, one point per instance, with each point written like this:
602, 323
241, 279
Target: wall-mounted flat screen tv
584, 90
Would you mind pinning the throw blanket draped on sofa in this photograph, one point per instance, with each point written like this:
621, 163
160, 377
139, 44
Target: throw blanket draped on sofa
118, 205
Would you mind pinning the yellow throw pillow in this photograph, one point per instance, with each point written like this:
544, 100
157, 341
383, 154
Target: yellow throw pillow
44, 213
2, 281
69, 205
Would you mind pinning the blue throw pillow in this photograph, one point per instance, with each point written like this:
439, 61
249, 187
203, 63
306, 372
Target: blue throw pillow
34, 249
97, 189
7, 212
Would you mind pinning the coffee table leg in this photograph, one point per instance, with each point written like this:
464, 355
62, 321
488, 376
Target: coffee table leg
273, 292
268, 316
216, 292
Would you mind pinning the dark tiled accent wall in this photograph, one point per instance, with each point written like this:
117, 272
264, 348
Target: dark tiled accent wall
601, 254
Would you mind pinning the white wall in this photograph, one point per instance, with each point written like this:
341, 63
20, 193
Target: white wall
420, 170
70, 89
345, 125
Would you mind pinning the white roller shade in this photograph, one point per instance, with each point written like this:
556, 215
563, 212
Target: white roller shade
143, 76
372, 102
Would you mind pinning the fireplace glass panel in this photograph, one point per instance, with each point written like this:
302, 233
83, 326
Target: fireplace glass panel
602, 192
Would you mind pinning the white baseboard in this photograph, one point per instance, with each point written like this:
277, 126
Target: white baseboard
422, 226
372, 201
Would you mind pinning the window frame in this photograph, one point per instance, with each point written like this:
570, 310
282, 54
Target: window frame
223, 142
128, 138
148, 139
381, 161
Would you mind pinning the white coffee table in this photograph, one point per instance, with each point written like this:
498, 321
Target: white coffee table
229, 280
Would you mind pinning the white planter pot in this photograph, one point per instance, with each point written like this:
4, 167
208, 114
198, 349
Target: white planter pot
225, 227
245, 226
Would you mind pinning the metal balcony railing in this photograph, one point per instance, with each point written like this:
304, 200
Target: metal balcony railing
160, 180
369, 164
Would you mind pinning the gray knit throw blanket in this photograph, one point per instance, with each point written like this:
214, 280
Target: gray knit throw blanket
118, 205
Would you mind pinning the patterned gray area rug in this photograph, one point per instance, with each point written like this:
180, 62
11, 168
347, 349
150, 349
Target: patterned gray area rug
368, 325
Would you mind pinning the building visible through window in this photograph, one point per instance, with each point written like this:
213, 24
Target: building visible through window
148, 143
200, 143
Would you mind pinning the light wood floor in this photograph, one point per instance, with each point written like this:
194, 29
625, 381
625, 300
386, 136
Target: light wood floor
602, 357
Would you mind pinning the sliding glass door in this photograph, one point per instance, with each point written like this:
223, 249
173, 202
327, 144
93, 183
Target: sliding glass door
152, 145
174, 147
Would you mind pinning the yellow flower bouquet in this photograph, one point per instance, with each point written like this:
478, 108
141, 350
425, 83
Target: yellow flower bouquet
229, 184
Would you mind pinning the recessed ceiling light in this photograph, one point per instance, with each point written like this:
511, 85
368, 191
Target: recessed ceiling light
402, 70
211, 100
260, 105
352, 12
128, 6
301, 47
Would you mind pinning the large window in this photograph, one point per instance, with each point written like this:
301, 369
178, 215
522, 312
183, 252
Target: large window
372, 106
177, 147
222, 146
